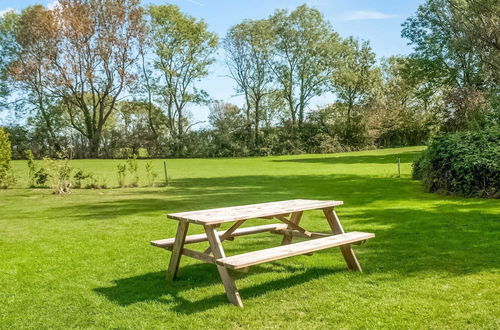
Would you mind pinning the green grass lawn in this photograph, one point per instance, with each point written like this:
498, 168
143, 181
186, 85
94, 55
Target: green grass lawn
84, 260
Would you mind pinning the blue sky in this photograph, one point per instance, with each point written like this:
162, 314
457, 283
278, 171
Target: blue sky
376, 21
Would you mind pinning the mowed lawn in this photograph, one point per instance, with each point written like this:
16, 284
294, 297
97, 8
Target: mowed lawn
85, 261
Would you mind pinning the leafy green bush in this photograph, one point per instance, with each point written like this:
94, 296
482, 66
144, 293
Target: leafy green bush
36, 177
150, 173
80, 176
6, 175
133, 169
41, 177
121, 171
466, 163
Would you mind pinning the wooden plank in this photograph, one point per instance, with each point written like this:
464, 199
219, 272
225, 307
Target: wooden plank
195, 254
231, 291
290, 250
165, 243
243, 212
177, 249
226, 234
349, 256
296, 233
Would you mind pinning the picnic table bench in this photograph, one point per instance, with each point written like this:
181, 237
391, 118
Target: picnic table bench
289, 213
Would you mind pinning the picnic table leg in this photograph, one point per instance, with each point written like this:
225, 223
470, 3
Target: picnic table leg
175, 258
295, 218
347, 252
216, 246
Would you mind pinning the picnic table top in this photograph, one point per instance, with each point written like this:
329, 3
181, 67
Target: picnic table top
244, 212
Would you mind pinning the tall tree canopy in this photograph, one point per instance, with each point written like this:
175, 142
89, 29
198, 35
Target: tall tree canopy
248, 47
305, 51
183, 49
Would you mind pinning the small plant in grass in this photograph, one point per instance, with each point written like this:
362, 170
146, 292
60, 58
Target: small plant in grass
79, 177
60, 175
31, 167
6, 176
150, 173
41, 177
121, 170
133, 169
36, 177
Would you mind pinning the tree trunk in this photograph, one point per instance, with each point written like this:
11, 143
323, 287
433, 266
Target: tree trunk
257, 119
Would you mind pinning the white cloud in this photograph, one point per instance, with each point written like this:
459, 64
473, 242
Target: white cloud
5, 11
195, 2
366, 14
52, 5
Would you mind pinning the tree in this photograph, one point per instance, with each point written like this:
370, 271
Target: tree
184, 49
6, 175
305, 53
31, 37
355, 78
228, 129
456, 44
248, 47
7, 51
81, 54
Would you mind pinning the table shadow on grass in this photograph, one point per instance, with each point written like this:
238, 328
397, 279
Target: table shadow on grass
155, 287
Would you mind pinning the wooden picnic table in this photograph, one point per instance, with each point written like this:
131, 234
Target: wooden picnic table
289, 213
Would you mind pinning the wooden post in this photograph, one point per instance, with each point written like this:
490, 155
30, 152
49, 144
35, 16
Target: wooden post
399, 167
231, 291
287, 236
175, 258
347, 252
165, 169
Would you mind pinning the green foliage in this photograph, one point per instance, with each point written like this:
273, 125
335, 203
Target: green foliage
121, 170
133, 169
6, 176
31, 167
184, 49
41, 176
60, 175
79, 177
465, 163
150, 173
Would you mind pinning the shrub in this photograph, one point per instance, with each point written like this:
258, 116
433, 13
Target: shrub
133, 169
36, 177
6, 176
41, 177
150, 173
121, 171
60, 175
465, 163
79, 177
31, 167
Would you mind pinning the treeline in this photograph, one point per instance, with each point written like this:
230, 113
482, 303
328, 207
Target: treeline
99, 78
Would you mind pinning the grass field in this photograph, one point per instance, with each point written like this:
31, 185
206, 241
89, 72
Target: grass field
84, 260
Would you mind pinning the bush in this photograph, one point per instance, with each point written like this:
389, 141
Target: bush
133, 169
79, 177
121, 171
36, 177
465, 163
60, 175
150, 173
6, 176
